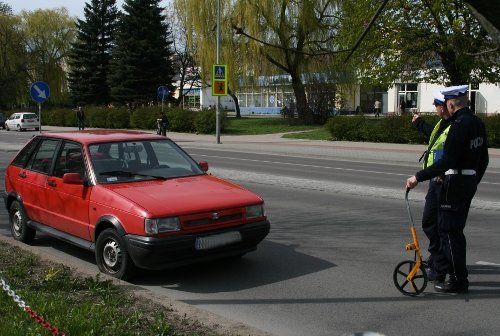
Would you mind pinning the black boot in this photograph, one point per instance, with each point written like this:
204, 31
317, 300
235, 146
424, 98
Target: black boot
451, 287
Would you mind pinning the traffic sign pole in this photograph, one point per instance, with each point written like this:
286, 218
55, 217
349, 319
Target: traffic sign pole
40, 116
217, 113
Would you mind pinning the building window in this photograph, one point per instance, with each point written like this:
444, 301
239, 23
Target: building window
408, 97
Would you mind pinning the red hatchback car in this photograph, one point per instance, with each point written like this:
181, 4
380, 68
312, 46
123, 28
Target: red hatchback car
137, 200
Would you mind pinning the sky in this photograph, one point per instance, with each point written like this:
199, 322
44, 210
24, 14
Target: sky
75, 7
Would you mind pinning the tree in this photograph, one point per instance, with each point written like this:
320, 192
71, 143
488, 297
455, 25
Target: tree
184, 54
437, 41
48, 35
290, 35
200, 22
142, 55
91, 53
12, 58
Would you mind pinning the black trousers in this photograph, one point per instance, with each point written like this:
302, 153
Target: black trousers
455, 199
430, 217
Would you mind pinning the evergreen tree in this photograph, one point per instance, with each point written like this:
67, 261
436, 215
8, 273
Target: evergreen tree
142, 56
92, 52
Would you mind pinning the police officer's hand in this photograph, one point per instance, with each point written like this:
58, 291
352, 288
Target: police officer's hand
414, 117
411, 182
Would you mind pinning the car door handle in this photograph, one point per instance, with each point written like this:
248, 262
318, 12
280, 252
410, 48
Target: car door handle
52, 183
23, 175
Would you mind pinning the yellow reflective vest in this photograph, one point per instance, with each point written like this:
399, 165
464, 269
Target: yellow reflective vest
436, 146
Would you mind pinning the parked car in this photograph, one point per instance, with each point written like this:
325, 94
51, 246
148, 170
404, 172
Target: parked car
2, 120
137, 200
21, 121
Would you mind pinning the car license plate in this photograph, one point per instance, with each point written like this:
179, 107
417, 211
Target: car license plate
217, 240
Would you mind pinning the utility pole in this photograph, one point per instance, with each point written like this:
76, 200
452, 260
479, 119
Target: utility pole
217, 112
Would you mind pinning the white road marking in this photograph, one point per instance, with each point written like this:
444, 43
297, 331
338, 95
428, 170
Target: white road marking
486, 263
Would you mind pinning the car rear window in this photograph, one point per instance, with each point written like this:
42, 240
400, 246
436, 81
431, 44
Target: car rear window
30, 116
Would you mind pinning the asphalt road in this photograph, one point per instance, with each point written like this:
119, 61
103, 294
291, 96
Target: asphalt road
339, 226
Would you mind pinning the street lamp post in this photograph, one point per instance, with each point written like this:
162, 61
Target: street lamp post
217, 113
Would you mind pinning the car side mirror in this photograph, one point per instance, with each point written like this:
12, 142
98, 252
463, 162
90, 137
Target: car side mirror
203, 165
72, 178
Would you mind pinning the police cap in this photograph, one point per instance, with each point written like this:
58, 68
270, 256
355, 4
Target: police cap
455, 91
438, 98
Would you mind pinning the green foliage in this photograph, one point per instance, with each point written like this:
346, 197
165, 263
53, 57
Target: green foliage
91, 53
348, 129
397, 129
12, 58
142, 54
76, 305
181, 120
47, 39
394, 129
493, 130
63, 117
96, 117
204, 121
119, 118
435, 41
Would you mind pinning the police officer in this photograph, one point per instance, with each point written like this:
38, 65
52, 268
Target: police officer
437, 136
463, 164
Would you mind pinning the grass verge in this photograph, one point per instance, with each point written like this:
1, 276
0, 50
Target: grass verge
78, 305
264, 125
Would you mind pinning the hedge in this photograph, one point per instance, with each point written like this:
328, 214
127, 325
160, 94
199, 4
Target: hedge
140, 118
396, 129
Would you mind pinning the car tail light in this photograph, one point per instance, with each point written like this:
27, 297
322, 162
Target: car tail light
22, 120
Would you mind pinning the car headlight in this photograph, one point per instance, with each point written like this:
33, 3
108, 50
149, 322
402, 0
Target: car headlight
254, 211
159, 225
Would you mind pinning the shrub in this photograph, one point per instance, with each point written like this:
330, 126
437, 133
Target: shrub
181, 120
205, 120
492, 130
116, 117
347, 128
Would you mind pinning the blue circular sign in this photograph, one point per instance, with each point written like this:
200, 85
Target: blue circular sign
163, 92
39, 91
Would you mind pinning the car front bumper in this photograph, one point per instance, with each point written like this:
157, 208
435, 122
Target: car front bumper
161, 253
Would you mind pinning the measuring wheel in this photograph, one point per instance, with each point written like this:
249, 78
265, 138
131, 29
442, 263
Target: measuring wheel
411, 287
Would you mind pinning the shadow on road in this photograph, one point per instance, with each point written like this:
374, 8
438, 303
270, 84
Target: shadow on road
272, 262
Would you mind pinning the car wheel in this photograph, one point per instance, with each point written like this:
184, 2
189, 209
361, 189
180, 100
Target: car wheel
112, 256
18, 224
19, 129
36, 128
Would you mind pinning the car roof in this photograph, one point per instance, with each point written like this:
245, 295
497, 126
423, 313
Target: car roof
102, 135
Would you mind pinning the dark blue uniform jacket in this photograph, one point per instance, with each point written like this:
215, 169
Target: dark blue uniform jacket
465, 147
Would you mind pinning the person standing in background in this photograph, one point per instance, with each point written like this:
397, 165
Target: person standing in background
80, 118
377, 107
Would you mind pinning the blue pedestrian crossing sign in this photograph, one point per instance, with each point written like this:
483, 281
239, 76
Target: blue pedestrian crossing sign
163, 92
39, 91
220, 71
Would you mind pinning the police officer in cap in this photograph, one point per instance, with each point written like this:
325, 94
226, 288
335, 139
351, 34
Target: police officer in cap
437, 137
463, 164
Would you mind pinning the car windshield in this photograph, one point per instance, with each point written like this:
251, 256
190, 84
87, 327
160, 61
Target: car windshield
128, 161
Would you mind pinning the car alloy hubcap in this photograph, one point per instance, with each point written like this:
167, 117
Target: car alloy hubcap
111, 254
16, 222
